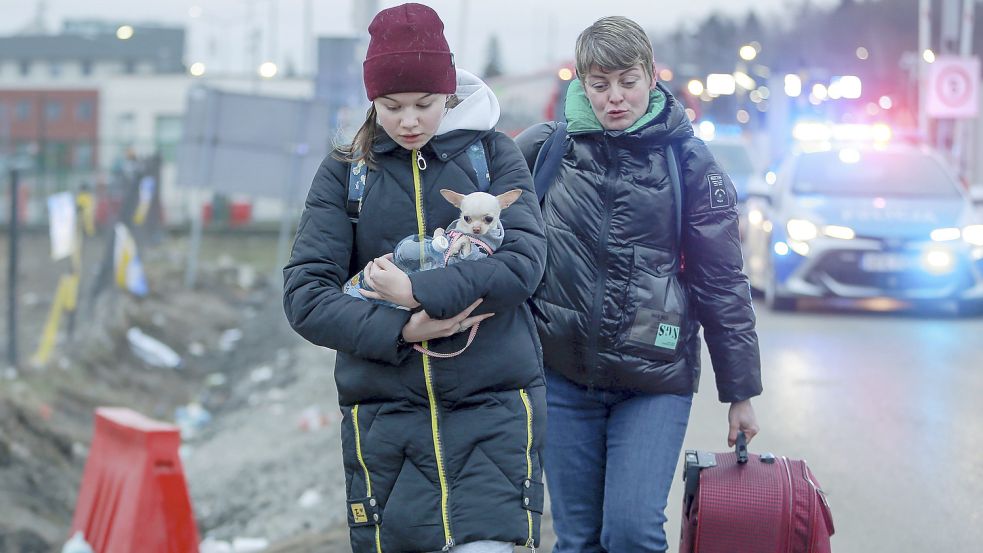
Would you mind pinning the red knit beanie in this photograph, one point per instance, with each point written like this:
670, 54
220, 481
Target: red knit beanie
408, 53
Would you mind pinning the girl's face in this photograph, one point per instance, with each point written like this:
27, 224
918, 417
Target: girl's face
619, 97
410, 118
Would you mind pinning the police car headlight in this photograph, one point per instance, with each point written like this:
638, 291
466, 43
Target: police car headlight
944, 234
973, 234
801, 229
937, 260
836, 231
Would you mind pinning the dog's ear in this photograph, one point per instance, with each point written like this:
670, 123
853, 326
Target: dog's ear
508, 198
453, 197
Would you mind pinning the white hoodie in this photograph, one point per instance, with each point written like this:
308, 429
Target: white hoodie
479, 109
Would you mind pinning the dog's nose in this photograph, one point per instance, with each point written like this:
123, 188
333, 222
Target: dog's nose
476, 230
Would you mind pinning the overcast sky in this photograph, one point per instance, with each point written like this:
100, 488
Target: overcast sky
533, 33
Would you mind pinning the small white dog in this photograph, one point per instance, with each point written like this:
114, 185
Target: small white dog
479, 219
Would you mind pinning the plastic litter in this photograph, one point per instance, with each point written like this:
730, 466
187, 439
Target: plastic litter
209, 545
152, 351
261, 374
228, 340
310, 498
249, 545
77, 544
313, 418
191, 418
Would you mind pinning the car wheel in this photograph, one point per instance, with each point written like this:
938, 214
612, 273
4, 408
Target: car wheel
774, 300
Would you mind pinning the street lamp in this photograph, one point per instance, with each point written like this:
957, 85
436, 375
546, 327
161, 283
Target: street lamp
748, 52
124, 32
695, 87
267, 70
197, 69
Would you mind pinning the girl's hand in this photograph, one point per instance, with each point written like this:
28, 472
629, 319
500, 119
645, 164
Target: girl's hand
421, 327
388, 282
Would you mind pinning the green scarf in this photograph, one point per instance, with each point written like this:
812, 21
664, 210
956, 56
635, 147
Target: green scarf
581, 118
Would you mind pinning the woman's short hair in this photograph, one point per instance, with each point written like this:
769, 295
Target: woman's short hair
613, 43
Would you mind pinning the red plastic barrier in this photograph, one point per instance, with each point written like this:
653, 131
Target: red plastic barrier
134, 496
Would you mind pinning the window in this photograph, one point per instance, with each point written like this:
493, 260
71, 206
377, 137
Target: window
53, 110
25, 68
55, 69
82, 155
167, 136
23, 110
56, 156
86, 67
129, 67
909, 174
126, 128
83, 111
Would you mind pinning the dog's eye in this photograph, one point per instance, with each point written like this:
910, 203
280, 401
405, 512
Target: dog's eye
489, 219
467, 218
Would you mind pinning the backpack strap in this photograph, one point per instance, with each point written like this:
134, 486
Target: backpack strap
356, 187
479, 161
357, 173
548, 160
675, 175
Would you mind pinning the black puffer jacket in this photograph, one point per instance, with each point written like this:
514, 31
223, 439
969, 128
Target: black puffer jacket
613, 282
440, 450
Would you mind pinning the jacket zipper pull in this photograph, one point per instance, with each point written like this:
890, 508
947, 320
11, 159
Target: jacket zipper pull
420, 162
448, 546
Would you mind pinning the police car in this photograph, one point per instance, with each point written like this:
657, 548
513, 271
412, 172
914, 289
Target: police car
876, 223
734, 157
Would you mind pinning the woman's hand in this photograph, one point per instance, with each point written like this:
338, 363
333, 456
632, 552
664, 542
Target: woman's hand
742, 419
388, 282
421, 327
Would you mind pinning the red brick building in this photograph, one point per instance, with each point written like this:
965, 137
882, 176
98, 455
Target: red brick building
61, 127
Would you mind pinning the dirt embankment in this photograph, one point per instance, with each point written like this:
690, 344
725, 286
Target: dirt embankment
222, 330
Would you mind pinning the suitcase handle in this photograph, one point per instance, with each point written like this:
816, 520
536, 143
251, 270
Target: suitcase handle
741, 448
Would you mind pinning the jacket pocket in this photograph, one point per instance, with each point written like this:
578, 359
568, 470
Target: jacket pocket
658, 307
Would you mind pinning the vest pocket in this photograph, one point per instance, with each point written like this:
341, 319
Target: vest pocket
657, 307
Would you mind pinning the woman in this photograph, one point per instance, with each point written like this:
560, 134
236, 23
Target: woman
439, 454
625, 292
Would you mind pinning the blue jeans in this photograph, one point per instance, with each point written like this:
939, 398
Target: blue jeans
609, 461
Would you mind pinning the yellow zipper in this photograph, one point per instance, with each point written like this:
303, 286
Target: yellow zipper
531, 542
419, 163
365, 469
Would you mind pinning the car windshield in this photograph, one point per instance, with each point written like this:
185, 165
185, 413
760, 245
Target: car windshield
733, 158
872, 173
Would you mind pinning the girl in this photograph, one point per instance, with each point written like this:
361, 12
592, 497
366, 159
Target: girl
439, 454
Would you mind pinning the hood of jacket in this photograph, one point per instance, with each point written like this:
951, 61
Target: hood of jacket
663, 120
479, 109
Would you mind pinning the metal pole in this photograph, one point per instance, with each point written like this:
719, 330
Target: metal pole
12, 270
213, 104
967, 127
300, 150
924, 42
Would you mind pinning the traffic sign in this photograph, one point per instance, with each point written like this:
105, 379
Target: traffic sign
952, 90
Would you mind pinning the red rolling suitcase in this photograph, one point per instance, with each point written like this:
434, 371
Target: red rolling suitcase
745, 503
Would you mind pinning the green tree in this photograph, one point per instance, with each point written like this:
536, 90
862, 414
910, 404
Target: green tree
493, 67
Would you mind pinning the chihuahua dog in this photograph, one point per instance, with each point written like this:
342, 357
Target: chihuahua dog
480, 213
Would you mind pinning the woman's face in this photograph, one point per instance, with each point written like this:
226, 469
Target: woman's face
618, 97
410, 118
